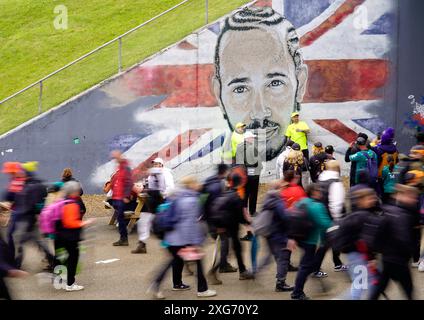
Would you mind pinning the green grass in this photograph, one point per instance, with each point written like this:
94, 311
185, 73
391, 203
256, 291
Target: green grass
30, 46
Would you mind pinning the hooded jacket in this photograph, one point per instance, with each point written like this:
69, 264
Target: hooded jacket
336, 193
274, 203
188, 229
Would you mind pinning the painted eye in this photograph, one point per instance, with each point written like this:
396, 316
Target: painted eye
276, 83
240, 89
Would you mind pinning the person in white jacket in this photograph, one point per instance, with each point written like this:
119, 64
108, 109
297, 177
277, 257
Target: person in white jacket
333, 197
279, 164
160, 185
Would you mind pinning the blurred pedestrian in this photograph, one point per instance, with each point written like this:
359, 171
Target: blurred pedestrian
67, 175
389, 179
353, 148
365, 159
317, 161
187, 233
296, 162
292, 192
68, 232
121, 186
282, 158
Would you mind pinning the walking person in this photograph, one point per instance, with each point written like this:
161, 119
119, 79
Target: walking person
366, 160
278, 242
398, 241
249, 155
187, 233
157, 188
121, 185
316, 213
333, 198
69, 229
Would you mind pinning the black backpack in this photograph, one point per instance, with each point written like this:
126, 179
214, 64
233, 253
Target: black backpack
219, 215
299, 224
342, 236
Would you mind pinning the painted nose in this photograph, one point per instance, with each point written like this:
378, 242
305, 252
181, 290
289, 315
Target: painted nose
260, 112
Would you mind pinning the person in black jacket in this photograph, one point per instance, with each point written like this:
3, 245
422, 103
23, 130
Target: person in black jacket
353, 148
27, 206
278, 242
232, 215
213, 187
317, 161
7, 269
398, 245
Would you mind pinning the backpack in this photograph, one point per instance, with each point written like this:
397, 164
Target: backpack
341, 236
384, 162
262, 223
219, 216
50, 215
299, 224
372, 166
165, 219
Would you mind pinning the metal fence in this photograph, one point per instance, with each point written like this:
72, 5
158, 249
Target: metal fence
39, 85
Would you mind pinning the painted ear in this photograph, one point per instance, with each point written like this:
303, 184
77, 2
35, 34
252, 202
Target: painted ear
217, 91
302, 78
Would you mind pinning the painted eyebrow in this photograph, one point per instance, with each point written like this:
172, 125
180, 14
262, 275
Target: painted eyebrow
276, 74
238, 80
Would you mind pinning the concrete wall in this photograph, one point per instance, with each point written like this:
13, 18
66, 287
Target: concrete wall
171, 105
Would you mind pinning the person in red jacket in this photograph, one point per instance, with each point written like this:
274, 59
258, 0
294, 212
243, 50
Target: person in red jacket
121, 185
293, 192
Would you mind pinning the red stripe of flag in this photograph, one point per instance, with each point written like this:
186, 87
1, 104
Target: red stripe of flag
177, 145
336, 18
338, 128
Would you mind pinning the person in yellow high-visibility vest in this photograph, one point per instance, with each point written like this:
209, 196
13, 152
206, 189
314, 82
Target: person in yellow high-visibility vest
230, 145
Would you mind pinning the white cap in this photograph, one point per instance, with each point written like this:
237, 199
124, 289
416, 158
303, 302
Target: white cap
158, 160
249, 134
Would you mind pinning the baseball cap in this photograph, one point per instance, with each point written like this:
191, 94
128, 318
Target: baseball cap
296, 146
329, 149
158, 160
240, 125
318, 144
30, 166
294, 114
361, 141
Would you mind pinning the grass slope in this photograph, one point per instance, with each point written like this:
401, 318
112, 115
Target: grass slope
30, 46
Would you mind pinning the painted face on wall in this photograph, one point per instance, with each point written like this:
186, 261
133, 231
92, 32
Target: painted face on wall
259, 82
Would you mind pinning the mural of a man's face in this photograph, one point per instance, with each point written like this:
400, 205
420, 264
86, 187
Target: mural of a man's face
259, 83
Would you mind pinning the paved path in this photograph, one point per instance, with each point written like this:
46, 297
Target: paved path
129, 277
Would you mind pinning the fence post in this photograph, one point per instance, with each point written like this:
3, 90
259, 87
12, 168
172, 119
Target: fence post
120, 55
40, 98
206, 12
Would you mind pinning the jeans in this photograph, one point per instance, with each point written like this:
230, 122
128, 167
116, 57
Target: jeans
397, 272
320, 255
358, 265
119, 207
281, 255
177, 270
306, 267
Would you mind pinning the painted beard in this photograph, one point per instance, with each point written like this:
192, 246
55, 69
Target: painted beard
274, 142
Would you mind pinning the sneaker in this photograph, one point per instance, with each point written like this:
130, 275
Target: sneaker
181, 287
155, 292
292, 268
247, 237
246, 275
227, 269
341, 268
421, 266
282, 286
320, 274
74, 287
213, 280
301, 296
121, 242
141, 248
415, 264
206, 294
